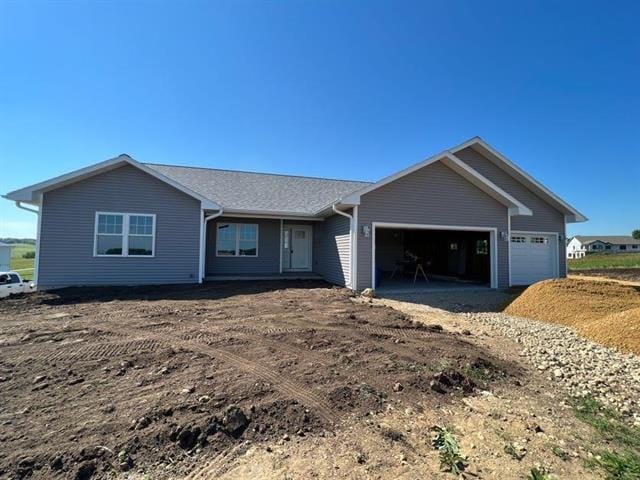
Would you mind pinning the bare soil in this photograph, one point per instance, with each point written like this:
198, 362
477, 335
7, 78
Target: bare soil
626, 274
178, 380
605, 311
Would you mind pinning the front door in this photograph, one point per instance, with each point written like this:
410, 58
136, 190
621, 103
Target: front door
297, 248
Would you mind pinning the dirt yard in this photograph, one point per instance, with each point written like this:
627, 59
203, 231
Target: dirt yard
269, 381
95, 381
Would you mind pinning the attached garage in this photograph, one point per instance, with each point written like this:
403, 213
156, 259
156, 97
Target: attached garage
534, 257
405, 254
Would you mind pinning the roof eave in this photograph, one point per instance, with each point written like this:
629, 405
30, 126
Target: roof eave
571, 214
32, 194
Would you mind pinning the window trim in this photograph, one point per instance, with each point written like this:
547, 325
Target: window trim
125, 235
237, 254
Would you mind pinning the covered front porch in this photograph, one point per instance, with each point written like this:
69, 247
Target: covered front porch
243, 248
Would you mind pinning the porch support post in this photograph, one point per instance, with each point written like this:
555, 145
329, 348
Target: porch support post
281, 246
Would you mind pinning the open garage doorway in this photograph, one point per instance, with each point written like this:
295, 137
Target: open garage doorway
408, 258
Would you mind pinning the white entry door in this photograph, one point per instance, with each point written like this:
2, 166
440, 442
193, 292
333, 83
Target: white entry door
534, 257
297, 248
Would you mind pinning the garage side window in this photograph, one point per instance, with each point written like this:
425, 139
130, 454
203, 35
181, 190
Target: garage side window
124, 235
516, 239
237, 240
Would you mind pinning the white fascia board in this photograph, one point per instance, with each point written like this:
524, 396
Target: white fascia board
572, 216
33, 193
240, 213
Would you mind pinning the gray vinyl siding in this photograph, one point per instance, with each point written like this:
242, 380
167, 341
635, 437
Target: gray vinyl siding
433, 195
267, 261
332, 249
545, 217
68, 226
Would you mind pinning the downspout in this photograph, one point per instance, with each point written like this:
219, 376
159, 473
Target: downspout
36, 262
351, 249
203, 242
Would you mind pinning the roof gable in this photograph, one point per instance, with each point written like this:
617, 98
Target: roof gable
486, 150
447, 158
33, 193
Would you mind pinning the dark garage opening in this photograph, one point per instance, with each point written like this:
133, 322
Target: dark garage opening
449, 258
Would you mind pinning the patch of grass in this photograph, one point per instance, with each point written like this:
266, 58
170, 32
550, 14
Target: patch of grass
513, 452
604, 260
620, 466
451, 459
623, 462
561, 453
537, 474
606, 422
18, 262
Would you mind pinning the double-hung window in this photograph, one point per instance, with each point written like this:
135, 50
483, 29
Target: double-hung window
237, 240
124, 235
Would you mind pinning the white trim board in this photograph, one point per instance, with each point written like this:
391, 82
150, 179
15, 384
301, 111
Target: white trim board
493, 239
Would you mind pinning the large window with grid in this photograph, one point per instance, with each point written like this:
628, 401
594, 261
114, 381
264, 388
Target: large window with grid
237, 240
124, 235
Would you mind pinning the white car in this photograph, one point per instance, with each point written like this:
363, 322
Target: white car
11, 283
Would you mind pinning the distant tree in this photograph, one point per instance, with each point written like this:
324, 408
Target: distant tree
636, 234
29, 255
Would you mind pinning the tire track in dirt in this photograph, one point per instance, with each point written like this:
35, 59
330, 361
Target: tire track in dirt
214, 467
299, 392
100, 351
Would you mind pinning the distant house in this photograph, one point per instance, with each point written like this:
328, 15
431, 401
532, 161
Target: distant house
5, 256
580, 245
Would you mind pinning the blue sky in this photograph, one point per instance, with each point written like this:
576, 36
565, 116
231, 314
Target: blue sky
349, 89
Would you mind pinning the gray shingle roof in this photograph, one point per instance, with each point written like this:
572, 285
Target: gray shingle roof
264, 192
612, 239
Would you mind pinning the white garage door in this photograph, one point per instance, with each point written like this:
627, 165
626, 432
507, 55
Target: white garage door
533, 257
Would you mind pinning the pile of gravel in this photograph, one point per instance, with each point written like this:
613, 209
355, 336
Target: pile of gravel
580, 366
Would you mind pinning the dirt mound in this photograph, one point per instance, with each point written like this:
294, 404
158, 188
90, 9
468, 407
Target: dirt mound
606, 312
620, 329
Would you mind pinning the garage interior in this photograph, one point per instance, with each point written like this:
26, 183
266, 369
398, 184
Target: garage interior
449, 259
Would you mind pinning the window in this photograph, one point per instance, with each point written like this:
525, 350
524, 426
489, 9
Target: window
539, 240
635, 247
623, 247
124, 235
482, 247
14, 278
608, 247
140, 235
237, 240
516, 239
